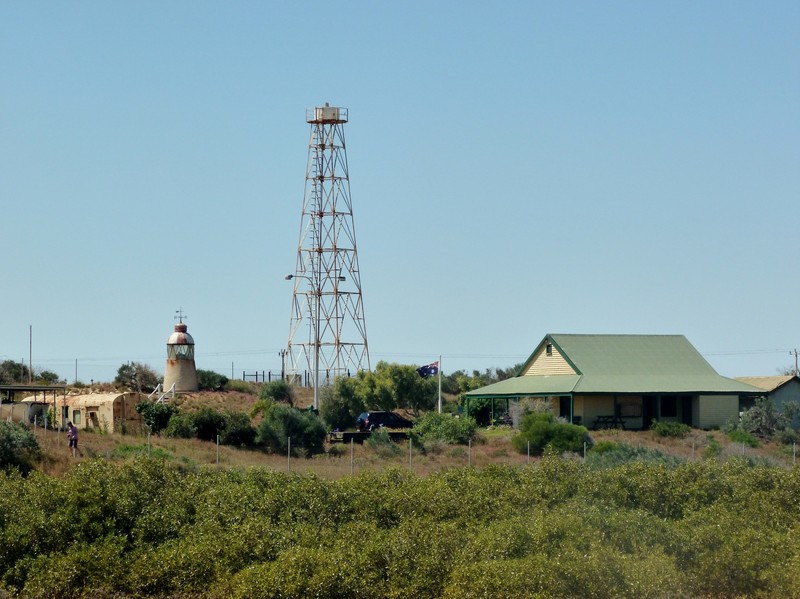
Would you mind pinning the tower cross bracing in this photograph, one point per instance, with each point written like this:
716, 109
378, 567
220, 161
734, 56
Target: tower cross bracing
327, 330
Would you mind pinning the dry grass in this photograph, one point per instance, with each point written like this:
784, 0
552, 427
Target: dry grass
492, 447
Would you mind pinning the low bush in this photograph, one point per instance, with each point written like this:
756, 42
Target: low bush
208, 380
282, 423
242, 387
381, 443
676, 430
181, 426
740, 436
446, 428
155, 414
787, 436
18, 447
209, 423
713, 448
278, 391
645, 530
239, 431
609, 454
540, 431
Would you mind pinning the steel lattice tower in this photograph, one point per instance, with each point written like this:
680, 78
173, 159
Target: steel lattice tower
327, 279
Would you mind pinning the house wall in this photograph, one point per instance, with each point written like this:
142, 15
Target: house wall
25, 411
590, 407
715, 410
542, 364
790, 392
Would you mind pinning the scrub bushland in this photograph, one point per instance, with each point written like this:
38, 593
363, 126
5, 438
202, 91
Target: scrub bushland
554, 528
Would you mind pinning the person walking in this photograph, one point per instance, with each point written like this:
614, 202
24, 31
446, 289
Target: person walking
72, 436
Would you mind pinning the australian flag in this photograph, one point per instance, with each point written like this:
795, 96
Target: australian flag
428, 370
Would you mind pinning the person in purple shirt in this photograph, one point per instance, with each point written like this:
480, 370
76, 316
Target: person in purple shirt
72, 436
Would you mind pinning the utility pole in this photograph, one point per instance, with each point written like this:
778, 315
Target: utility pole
282, 354
794, 353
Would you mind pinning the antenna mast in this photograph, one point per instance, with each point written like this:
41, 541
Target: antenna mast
327, 279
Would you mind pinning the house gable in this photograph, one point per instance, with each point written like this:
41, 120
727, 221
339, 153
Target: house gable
547, 360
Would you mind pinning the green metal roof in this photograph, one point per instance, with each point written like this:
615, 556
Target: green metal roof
524, 386
621, 364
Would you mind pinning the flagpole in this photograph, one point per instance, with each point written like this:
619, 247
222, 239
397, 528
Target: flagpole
440, 383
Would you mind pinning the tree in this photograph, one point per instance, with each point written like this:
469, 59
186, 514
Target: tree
13, 372
136, 376
209, 423
208, 380
47, 377
239, 431
278, 391
393, 386
156, 415
18, 447
281, 423
341, 403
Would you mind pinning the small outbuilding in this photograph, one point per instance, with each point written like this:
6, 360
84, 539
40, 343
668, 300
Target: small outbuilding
781, 390
107, 412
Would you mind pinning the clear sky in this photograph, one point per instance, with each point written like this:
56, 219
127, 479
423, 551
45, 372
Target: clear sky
516, 169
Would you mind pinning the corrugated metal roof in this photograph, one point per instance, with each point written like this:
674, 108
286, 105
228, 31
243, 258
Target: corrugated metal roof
89, 399
768, 383
623, 364
529, 385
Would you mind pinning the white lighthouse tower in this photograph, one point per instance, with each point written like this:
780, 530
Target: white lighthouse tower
181, 370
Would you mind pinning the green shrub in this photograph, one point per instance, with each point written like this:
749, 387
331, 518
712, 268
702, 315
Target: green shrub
787, 436
713, 448
278, 391
381, 443
341, 403
605, 446
763, 419
609, 454
740, 436
447, 428
208, 380
242, 387
156, 415
181, 426
18, 447
337, 450
540, 431
238, 431
209, 423
282, 422
676, 430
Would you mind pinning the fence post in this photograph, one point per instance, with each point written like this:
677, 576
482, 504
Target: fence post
289, 455
351, 456
217, 450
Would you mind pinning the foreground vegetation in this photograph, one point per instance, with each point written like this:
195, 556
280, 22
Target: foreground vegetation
556, 528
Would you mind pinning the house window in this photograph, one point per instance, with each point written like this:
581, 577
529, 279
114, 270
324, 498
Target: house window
669, 406
76, 417
548, 349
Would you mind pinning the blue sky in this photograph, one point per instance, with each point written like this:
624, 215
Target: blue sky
516, 169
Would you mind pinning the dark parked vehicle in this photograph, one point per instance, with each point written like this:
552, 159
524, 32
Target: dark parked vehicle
369, 421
